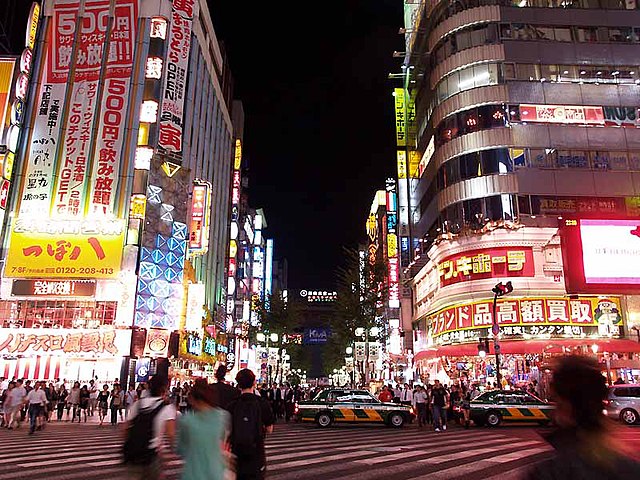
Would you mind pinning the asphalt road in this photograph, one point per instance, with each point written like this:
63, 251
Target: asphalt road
71, 451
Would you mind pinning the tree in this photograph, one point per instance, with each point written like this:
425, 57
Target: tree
362, 292
281, 316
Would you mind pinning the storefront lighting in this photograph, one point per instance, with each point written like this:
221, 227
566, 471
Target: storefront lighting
594, 348
153, 68
273, 337
349, 350
260, 337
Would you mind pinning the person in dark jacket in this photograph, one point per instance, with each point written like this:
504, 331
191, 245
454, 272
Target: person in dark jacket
585, 448
224, 393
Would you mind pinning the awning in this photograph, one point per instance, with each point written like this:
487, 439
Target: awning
612, 345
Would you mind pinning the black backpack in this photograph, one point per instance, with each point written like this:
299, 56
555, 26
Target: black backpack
136, 449
247, 431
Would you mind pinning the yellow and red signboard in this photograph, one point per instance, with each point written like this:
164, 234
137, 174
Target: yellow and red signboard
530, 316
6, 79
200, 213
65, 249
486, 263
401, 121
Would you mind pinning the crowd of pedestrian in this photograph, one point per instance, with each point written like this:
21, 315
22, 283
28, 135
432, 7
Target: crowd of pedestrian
218, 429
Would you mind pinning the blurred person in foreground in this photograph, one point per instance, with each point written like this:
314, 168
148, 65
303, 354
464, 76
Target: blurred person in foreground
202, 435
585, 446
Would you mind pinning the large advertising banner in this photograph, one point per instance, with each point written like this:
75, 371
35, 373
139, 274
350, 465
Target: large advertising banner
113, 106
175, 78
600, 255
529, 318
498, 262
35, 195
6, 78
69, 193
58, 249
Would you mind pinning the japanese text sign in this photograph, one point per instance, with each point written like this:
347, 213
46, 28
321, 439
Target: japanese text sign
486, 263
562, 114
534, 316
401, 123
174, 88
86, 343
65, 249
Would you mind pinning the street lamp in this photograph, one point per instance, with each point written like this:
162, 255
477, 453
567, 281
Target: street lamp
260, 337
349, 350
273, 337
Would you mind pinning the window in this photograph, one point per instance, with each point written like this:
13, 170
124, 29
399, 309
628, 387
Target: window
619, 161
562, 34
463, 40
587, 34
505, 30
620, 35
539, 32
527, 71
600, 160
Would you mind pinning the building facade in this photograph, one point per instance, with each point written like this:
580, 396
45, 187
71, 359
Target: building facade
115, 245
518, 148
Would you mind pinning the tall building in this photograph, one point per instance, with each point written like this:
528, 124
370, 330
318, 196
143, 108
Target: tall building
116, 242
519, 160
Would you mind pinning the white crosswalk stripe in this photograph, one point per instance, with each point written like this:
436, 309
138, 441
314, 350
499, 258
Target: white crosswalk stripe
304, 452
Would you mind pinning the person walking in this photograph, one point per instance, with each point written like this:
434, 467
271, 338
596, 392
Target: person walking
201, 435
7, 406
251, 420
224, 393
439, 404
466, 407
85, 399
115, 403
129, 399
36, 402
103, 403
16, 399
93, 397
74, 401
585, 449
151, 420
386, 394
289, 402
61, 402
406, 395
420, 401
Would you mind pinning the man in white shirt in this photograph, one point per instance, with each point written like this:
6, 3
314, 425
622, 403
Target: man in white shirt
16, 399
164, 425
420, 399
37, 400
406, 395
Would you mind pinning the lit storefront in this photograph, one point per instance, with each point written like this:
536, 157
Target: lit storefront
543, 317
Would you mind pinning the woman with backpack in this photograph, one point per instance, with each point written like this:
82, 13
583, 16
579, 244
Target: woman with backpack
116, 403
202, 432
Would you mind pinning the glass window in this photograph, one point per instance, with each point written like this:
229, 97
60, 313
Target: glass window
587, 34
619, 161
549, 72
472, 208
505, 30
470, 166
527, 71
470, 121
479, 36
562, 34
542, 32
466, 79
600, 160
541, 158
634, 160
491, 32
463, 40
509, 71
522, 31
620, 34
567, 73
524, 206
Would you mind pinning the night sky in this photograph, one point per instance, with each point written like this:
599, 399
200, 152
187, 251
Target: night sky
319, 127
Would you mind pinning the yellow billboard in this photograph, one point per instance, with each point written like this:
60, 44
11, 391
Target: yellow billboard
6, 79
65, 249
401, 123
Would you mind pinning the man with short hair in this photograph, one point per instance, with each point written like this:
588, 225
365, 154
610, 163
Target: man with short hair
406, 395
37, 401
224, 393
439, 401
420, 399
247, 440
163, 425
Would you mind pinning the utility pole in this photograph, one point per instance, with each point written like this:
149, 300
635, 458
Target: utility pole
498, 291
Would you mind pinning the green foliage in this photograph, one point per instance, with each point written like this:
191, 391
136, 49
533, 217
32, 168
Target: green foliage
362, 293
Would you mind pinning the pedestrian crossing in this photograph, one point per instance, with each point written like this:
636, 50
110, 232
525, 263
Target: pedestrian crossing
294, 451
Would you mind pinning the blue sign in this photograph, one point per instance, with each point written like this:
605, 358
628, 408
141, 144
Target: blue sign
210, 346
194, 345
314, 336
142, 369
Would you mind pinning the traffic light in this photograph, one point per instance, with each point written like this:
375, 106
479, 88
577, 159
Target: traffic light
483, 347
502, 289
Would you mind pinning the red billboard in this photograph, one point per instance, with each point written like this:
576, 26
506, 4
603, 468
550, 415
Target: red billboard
498, 262
601, 255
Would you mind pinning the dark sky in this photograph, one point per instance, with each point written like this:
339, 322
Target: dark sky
319, 127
